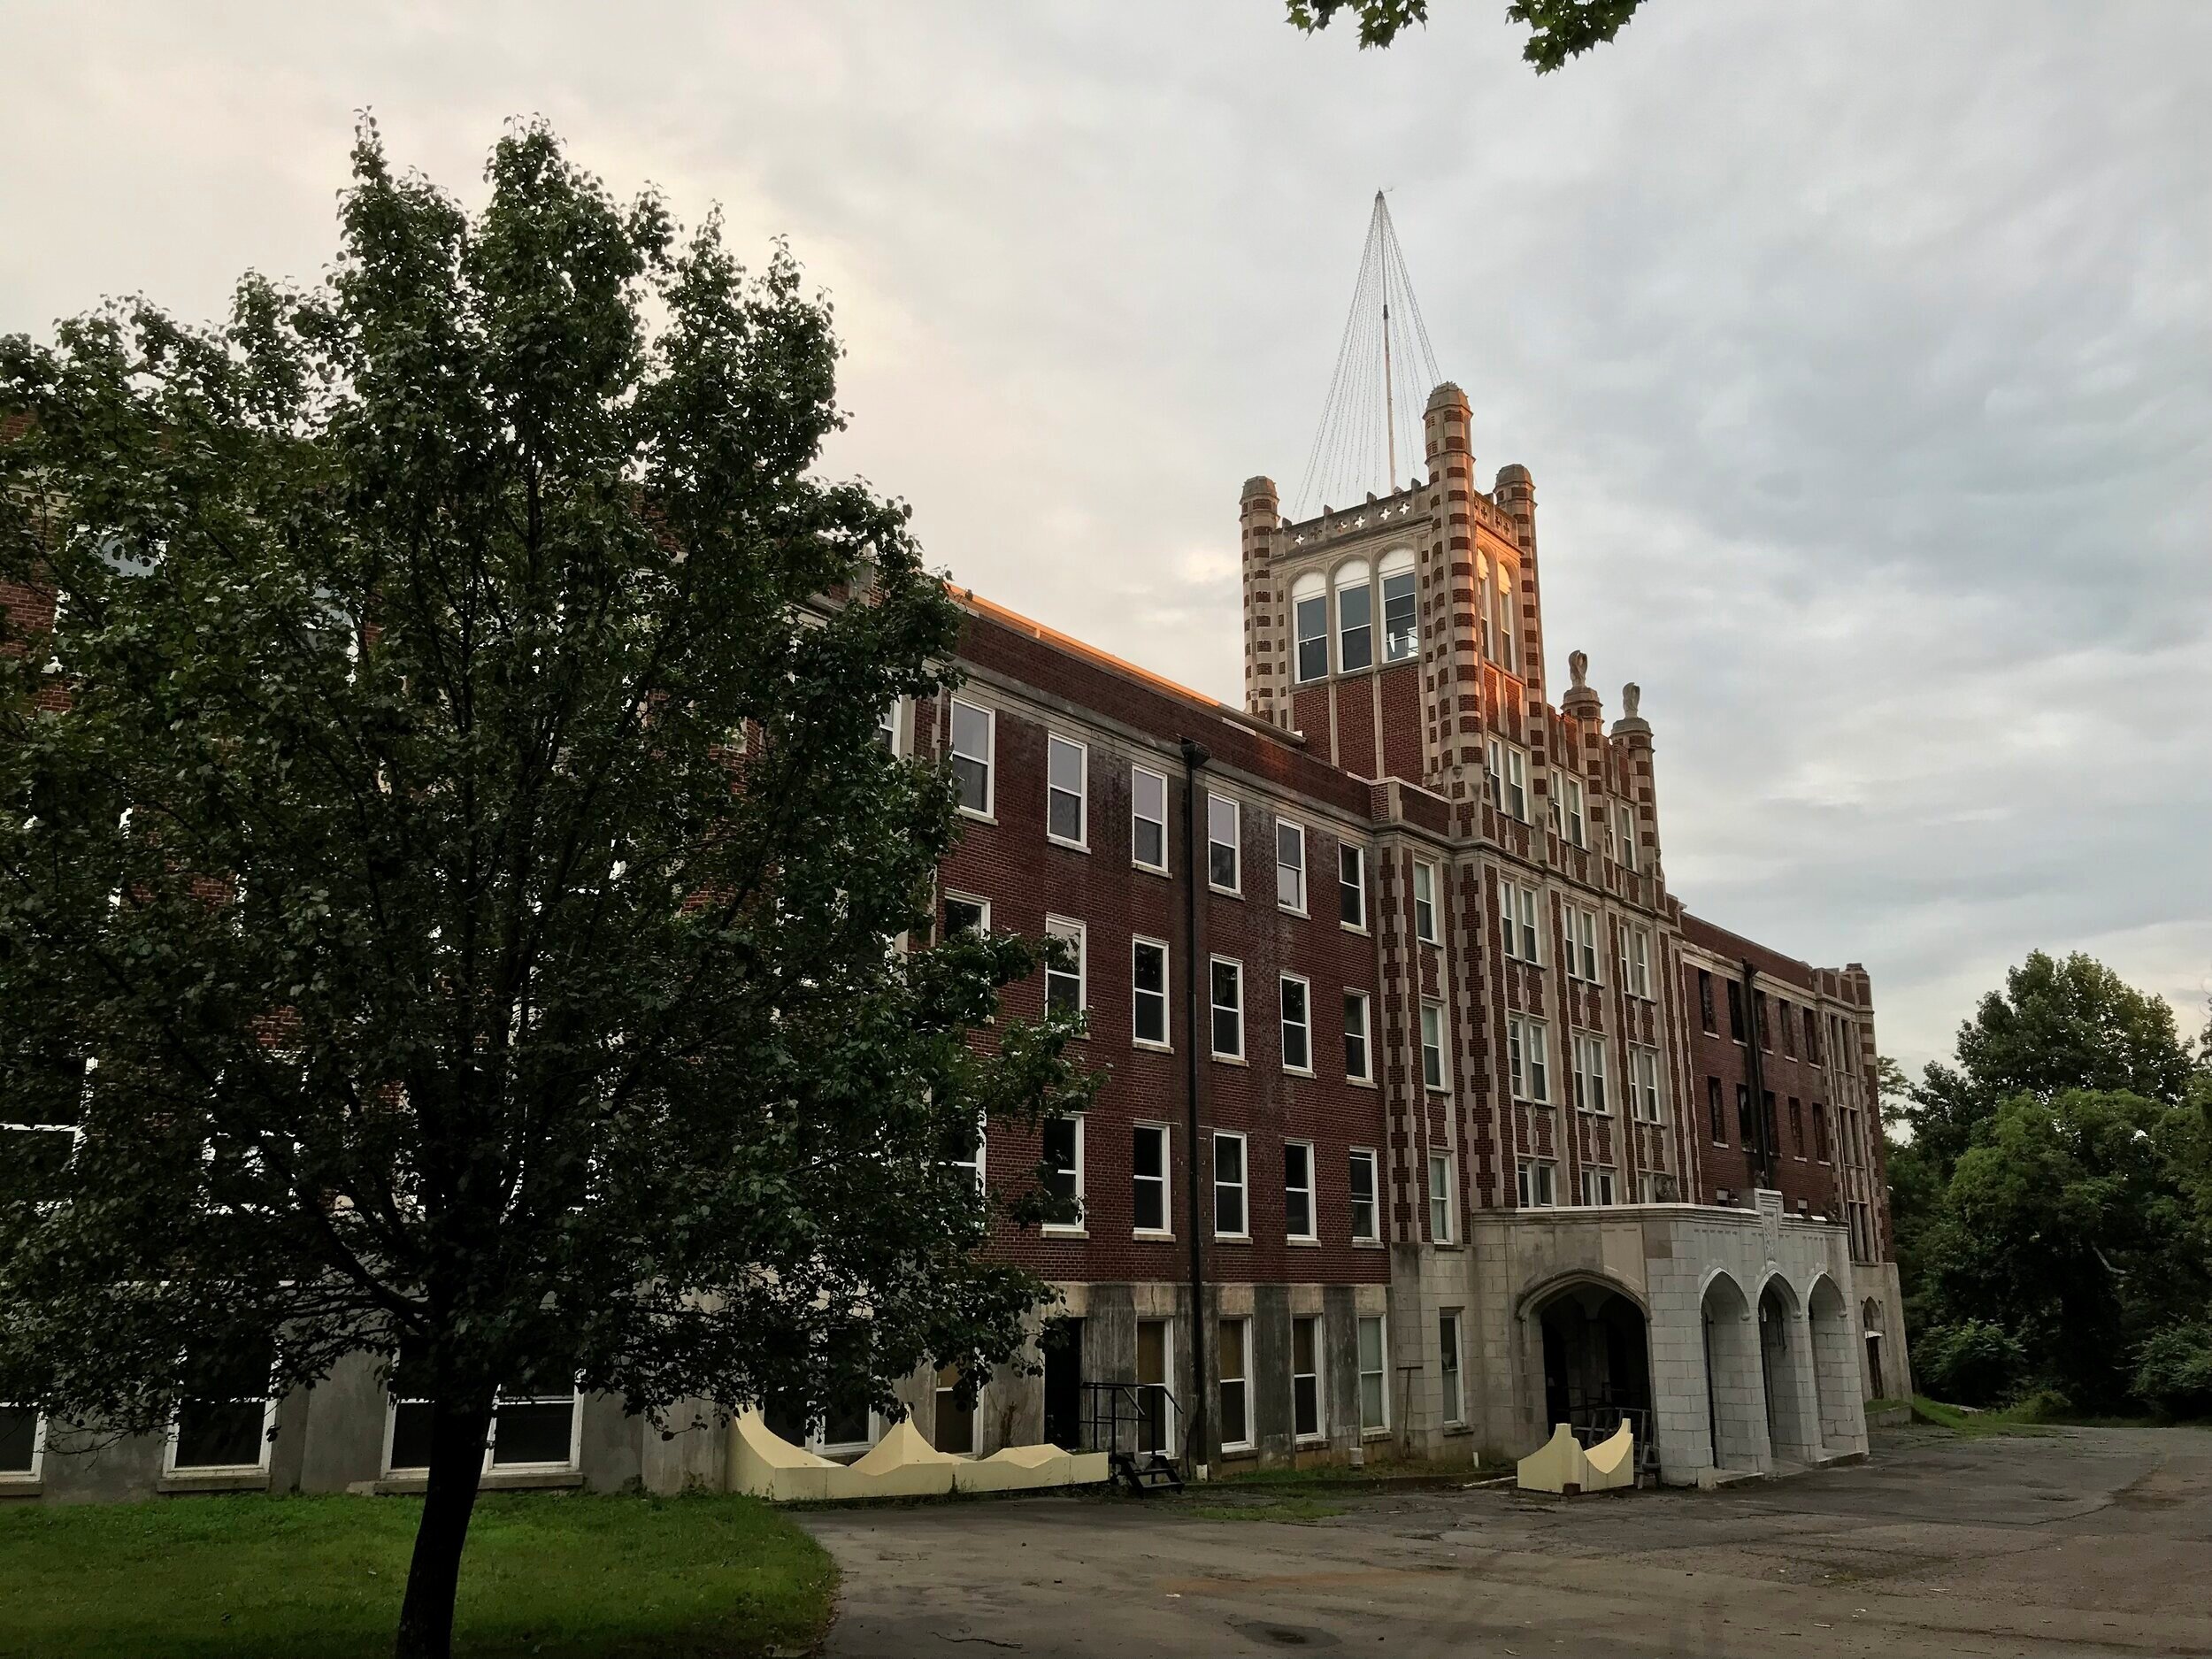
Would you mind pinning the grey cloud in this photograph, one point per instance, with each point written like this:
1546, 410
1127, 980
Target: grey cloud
1862, 356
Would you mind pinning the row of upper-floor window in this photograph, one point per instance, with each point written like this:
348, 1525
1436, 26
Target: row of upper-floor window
1150, 1213
1792, 1019
1068, 990
1344, 642
1817, 1145
1579, 816
1334, 616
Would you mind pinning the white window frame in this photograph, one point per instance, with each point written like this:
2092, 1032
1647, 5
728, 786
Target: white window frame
1311, 589
1451, 1358
1571, 800
1164, 1043
1080, 1228
1442, 1209
892, 726
1636, 962
1068, 931
1215, 1009
1166, 1178
983, 922
1536, 1183
1523, 939
1138, 775
1528, 1055
1297, 832
1587, 1064
982, 1143
1647, 1099
1355, 1156
1242, 1186
1626, 815
1366, 1073
988, 759
1241, 1323
1357, 854
1353, 576
1600, 1187
1647, 1187
1312, 1235
190, 1472
1436, 1075
1424, 928
1382, 1374
575, 1397
1081, 839
1285, 1025
1235, 889
1318, 1376
1507, 778
1508, 629
19, 1477
1394, 568
1583, 959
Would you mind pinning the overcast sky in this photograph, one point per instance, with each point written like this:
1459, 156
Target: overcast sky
1861, 354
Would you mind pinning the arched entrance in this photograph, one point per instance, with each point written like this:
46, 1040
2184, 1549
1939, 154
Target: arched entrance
1834, 1373
1784, 1368
1597, 1359
1870, 1322
1735, 1417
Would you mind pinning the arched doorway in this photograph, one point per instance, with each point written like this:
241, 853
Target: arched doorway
1784, 1368
1834, 1373
1870, 1322
1597, 1359
1735, 1413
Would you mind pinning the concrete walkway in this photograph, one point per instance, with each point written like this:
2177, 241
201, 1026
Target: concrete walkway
2082, 1542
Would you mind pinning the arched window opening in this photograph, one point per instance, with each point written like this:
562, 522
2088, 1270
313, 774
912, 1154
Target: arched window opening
1400, 627
1355, 617
1309, 607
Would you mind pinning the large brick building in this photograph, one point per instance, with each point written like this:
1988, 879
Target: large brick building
1481, 1130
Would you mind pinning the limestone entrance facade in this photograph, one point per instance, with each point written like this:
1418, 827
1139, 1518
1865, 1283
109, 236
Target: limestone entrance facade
1725, 1334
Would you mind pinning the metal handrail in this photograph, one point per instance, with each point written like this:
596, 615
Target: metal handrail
1121, 1416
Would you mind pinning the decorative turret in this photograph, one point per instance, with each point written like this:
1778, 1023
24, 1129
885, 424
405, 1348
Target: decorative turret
1266, 666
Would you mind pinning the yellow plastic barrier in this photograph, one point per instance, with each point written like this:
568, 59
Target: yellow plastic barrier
1612, 1462
901, 1464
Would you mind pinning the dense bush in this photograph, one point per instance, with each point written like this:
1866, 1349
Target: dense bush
1972, 1363
2173, 1371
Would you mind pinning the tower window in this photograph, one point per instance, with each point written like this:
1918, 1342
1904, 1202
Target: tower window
1310, 608
1401, 632
1355, 617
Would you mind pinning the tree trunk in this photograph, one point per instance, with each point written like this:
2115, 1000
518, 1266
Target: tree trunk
457, 1429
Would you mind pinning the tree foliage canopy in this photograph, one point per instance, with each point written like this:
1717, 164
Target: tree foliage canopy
1558, 30
2054, 1205
454, 916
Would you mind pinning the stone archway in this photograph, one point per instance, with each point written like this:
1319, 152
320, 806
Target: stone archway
1842, 1420
1594, 1346
1871, 1322
1785, 1370
1734, 1394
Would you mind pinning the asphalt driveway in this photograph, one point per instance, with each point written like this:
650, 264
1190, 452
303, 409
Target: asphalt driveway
2082, 1542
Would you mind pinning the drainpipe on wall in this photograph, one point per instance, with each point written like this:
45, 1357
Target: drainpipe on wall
1195, 758
1756, 1067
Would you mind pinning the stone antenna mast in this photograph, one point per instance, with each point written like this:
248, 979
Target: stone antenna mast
1384, 370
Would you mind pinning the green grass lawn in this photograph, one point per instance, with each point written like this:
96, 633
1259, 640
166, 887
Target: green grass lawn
551, 1577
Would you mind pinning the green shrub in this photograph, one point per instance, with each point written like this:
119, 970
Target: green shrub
2173, 1371
1973, 1363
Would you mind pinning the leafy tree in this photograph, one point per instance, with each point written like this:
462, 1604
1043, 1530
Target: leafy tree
2057, 1024
2067, 1226
451, 986
1558, 30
